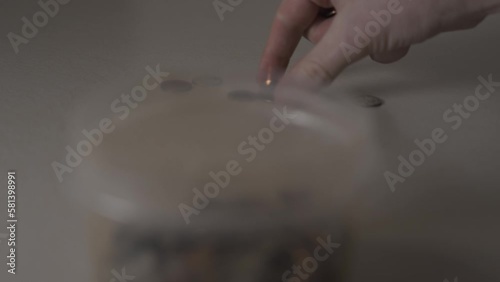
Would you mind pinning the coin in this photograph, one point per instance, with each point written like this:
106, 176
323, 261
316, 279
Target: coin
369, 101
266, 96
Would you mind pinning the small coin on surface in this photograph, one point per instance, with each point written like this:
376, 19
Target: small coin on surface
266, 96
369, 101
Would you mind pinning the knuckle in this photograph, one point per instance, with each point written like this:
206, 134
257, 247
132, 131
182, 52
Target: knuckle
317, 72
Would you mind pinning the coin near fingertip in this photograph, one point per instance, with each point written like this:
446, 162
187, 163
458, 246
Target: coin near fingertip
266, 96
369, 101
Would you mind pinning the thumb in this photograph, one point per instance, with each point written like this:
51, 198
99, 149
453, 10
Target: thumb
333, 53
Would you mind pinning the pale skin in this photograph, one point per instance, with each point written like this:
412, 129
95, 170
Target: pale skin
411, 22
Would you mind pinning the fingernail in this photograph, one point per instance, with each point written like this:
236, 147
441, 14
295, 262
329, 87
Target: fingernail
269, 78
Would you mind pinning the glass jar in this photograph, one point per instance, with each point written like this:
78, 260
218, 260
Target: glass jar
198, 179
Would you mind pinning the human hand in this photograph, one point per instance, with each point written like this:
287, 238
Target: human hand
382, 29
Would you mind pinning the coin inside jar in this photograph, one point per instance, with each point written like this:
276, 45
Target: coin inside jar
176, 86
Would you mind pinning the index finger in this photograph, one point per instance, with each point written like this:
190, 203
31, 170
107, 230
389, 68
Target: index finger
291, 21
